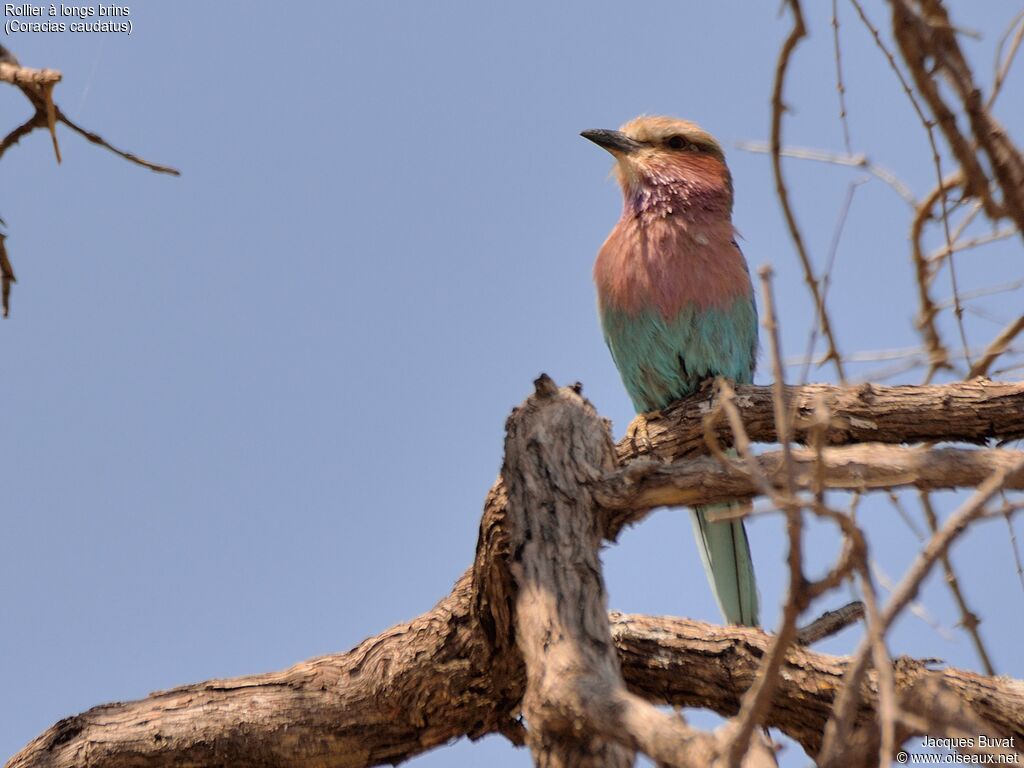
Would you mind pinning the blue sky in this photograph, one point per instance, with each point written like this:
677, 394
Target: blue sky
251, 413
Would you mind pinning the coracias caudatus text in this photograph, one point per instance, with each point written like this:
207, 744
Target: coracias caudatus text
676, 303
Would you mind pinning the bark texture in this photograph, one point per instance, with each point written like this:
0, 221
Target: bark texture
974, 411
644, 484
521, 617
410, 689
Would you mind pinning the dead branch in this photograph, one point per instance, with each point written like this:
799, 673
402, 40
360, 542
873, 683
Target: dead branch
998, 346
925, 34
972, 411
968, 619
644, 484
416, 686
796, 34
576, 703
830, 623
459, 670
38, 85
6, 278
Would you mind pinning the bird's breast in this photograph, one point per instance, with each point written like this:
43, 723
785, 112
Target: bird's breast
667, 263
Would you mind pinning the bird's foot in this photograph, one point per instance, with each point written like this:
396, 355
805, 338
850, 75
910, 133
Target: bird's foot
638, 434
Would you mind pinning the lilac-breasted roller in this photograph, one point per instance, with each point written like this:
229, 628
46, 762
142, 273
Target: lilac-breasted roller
676, 303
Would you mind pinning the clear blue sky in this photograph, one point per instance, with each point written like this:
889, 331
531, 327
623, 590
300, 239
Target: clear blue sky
250, 414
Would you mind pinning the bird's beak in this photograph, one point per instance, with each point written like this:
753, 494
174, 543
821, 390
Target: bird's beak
615, 142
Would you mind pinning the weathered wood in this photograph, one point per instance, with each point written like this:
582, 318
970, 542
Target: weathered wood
974, 411
393, 696
413, 687
554, 449
457, 670
643, 484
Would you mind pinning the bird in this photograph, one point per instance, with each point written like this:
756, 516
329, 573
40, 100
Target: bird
676, 303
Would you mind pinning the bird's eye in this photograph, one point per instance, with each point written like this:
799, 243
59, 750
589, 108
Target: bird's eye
677, 142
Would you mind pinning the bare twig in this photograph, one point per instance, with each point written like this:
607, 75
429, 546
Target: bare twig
19, 133
37, 85
757, 700
100, 141
6, 277
797, 33
840, 85
826, 280
930, 47
941, 540
1008, 516
973, 508
1002, 68
1003, 233
830, 623
998, 346
968, 619
860, 161
937, 353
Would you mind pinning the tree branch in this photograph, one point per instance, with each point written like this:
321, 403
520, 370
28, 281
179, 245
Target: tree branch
643, 484
457, 670
418, 685
972, 411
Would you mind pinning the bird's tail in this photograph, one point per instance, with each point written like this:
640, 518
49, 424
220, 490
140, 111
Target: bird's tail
725, 551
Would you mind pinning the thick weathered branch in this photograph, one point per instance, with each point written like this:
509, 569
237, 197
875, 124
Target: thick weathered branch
417, 686
576, 703
573, 683
456, 670
969, 411
395, 695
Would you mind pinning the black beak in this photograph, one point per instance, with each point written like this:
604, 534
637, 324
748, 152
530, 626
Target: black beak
615, 142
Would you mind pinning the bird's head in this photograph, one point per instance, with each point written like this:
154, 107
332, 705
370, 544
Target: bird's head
668, 153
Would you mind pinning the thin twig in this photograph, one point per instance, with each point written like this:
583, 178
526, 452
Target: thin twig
37, 85
6, 278
961, 227
1007, 515
883, 667
840, 86
964, 245
100, 141
904, 515
968, 619
998, 346
932, 53
1003, 67
958, 307
832, 158
20, 132
797, 33
945, 536
979, 293
972, 508
831, 623
741, 441
937, 352
758, 698
826, 279
940, 356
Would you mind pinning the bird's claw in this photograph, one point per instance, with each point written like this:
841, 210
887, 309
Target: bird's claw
638, 434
